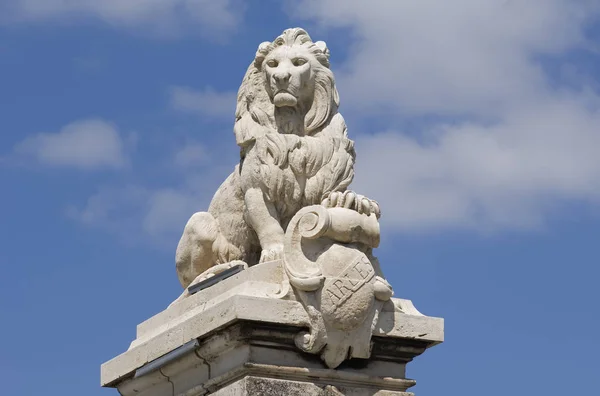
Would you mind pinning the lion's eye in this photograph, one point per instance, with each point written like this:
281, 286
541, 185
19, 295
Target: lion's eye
272, 63
299, 61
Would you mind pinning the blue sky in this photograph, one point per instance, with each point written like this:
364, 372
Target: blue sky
477, 128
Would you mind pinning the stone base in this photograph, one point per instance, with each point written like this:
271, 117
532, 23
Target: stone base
267, 353
237, 338
250, 386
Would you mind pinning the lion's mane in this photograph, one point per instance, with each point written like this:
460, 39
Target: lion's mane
324, 155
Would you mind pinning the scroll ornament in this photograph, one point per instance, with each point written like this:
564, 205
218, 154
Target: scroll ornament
329, 262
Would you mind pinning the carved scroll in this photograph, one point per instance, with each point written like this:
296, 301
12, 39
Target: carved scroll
327, 259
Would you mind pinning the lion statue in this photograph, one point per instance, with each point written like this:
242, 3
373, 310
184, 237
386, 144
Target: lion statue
295, 152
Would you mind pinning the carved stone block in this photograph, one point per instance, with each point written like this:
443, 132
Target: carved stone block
311, 312
247, 326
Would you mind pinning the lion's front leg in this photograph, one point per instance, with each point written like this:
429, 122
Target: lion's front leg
262, 217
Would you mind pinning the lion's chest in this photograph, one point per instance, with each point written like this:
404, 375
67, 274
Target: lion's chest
281, 165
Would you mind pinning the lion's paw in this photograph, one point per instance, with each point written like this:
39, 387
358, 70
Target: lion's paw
271, 253
350, 200
383, 290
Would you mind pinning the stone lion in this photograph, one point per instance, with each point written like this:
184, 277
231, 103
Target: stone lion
295, 152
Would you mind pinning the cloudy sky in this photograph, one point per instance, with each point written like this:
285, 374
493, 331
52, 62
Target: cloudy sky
477, 128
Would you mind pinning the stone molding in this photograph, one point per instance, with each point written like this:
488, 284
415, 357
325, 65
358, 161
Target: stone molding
246, 317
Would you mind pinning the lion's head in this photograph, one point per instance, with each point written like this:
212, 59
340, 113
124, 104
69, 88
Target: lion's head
290, 72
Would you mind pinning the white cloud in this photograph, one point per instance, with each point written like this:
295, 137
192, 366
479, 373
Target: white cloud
212, 17
206, 102
485, 176
470, 56
168, 212
190, 155
138, 214
154, 211
525, 140
86, 144
113, 208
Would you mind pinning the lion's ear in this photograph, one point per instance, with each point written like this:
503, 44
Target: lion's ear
263, 50
323, 47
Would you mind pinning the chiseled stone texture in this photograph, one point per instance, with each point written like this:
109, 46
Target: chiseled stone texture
295, 152
250, 296
288, 200
311, 313
222, 362
246, 326
251, 386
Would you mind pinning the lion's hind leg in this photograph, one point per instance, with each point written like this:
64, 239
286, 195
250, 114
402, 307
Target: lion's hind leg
194, 253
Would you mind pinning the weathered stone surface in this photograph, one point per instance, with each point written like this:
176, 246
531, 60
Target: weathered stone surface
311, 312
243, 330
288, 199
244, 298
273, 387
330, 265
267, 351
295, 152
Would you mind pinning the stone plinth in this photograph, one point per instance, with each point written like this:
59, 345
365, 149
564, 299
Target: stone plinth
237, 338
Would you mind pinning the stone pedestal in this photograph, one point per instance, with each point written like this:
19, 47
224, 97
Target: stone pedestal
237, 338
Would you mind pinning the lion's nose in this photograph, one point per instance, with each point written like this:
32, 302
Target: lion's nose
281, 78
